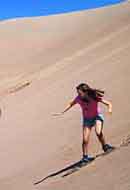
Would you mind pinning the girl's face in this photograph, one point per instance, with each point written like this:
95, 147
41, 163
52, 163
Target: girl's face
81, 93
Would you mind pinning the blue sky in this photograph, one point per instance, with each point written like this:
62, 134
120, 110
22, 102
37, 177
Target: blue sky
25, 8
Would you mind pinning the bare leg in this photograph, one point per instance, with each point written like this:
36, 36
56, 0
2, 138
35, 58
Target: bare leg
99, 133
86, 136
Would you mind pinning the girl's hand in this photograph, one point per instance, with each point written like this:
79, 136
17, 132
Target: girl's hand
66, 109
58, 114
108, 104
110, 110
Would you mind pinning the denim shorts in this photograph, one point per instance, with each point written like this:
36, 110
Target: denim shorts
91, 122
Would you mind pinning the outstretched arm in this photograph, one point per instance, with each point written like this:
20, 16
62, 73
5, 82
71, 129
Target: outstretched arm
108, 104
71, 104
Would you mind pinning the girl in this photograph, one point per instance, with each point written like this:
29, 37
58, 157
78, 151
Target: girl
88, 99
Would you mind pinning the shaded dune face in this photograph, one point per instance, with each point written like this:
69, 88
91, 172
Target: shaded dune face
42, 60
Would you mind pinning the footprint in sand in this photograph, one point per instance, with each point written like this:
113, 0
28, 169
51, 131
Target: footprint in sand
125, 141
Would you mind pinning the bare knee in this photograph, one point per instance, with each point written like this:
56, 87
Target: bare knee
85, 141
98, 129
99, 134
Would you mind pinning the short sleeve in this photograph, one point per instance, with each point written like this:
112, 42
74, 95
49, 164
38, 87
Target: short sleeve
75, 101
99, 99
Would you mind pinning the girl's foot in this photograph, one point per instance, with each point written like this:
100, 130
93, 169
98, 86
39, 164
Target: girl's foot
107, 147
87, 158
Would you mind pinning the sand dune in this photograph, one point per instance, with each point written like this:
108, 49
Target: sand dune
42, 60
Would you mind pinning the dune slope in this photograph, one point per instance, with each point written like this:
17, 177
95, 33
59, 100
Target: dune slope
42, 60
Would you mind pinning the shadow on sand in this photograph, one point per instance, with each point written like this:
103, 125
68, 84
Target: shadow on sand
71, 168
77, 165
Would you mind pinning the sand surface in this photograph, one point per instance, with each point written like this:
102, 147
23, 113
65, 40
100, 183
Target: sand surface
42, 60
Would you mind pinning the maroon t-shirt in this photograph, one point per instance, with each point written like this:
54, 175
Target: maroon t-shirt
90, 109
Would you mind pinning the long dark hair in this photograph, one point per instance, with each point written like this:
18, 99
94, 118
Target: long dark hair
90, 92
